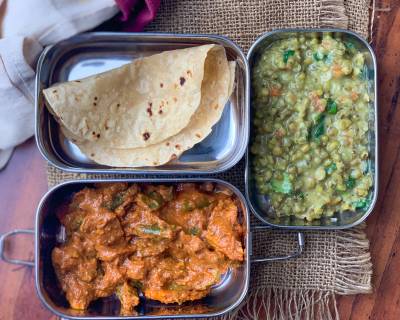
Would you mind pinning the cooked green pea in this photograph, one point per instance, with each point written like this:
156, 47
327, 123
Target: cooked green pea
268, 175
335, 157
356, 173
324, 139
320, 174
305, 148
316, 160
263, 161
332, 146
309, 182
292, 169
277, 151
323, 154
344, 123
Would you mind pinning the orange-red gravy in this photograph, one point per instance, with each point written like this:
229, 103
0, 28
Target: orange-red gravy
171, 242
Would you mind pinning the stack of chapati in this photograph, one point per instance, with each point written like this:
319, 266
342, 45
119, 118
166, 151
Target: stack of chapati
147, 112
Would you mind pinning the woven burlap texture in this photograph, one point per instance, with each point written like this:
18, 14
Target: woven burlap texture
333, 262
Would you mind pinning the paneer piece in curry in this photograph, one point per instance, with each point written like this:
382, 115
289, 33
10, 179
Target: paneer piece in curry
172, 243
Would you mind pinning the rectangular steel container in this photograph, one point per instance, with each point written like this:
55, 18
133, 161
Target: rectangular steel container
258, 203
223, 298
92, 53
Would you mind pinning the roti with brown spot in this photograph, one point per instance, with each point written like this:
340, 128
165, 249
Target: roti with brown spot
217, 85
137, 105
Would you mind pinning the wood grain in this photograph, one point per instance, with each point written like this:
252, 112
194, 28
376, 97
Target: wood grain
383, 226
23, 183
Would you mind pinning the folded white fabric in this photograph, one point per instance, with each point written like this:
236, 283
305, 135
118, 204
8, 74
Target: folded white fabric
49, 21
28, 26
17, 54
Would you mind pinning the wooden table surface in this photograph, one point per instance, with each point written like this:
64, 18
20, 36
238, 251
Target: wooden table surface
23, 182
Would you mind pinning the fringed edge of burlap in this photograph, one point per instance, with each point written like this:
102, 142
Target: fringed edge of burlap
333, 14
371, 22
353, 274
288, 304
373, 11
354, 269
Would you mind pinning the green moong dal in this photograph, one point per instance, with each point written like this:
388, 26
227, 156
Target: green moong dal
311, 107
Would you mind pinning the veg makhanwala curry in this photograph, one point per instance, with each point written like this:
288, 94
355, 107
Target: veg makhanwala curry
170, 242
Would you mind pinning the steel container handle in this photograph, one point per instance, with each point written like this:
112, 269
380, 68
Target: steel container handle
298, 252
3, 238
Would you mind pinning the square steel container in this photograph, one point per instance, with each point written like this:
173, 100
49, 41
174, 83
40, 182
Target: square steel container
258, 203
91, 53
224, 297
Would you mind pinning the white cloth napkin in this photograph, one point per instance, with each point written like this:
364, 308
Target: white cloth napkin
28, 26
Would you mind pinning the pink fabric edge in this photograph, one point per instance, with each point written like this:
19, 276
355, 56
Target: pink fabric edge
142, 18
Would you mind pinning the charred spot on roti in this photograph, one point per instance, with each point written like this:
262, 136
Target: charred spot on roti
92, 154
182, 81
149, 111
216, 107
161, 84
79, 81
198, 135
189, 73
173, 157
160, 111
98, 135
177, 146
54, 91
118, 105
93, 133
146, 136
155, 163
167, 144
94, 103
95, 98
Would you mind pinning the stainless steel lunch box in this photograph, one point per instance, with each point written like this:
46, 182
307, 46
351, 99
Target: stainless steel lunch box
223, 298
258, 203
92, 53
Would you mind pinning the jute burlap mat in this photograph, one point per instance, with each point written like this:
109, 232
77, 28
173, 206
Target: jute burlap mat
336, 262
